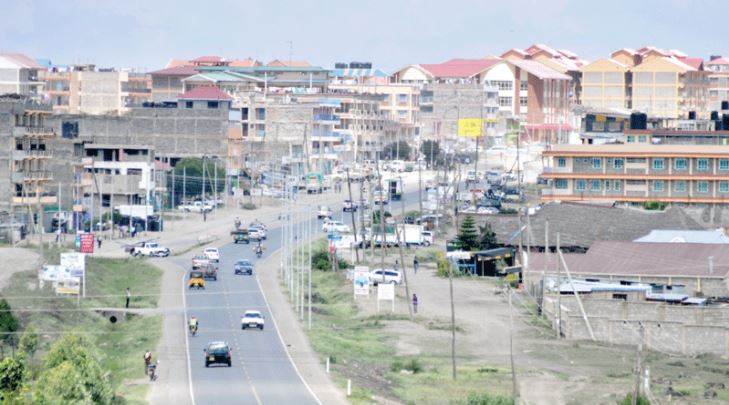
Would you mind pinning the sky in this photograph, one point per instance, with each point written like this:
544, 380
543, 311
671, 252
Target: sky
145, 34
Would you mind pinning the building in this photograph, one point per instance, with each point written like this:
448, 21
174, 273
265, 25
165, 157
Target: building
25, 160
83, 89
638, 173
713, 236
663, 83
167, 83
718, 68
19, 74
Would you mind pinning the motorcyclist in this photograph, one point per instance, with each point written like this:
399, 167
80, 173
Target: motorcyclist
193, 325
259, 249
147, 361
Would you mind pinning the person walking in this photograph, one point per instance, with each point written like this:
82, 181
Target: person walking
416, 264
98, 241
129, 296
397, 265
415, 303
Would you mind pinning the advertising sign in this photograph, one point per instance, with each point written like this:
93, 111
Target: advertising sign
470, 127
361, 282
74, 262
53, 273
385, 292
87, 243
70, 285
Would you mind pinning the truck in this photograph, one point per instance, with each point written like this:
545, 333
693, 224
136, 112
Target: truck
314, 183
149, 249
240, 235
412, 234
196, 206
135, 211
206, 266
394, 189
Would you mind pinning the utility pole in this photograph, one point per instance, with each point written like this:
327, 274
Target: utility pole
184, 184
204, 213
400, 241
453, 320
559, 293
383, 241
546, 266
511, 349
354, 222
638, 366
308, 242
420, 180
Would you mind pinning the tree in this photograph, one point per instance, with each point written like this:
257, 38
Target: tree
487, 237
8, 324
396, 150
192, 168
12, 372
63, 384
73, 350
468, 237
431, 151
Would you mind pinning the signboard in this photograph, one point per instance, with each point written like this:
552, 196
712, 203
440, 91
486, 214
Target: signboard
361, 282
53, 273
70, 285
385, 292
334, 236
470, 127
86, 243
74, 262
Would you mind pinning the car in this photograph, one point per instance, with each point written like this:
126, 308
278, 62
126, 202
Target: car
252, 319
472, 177
335, 226
149, 249
257, 234
488, 210
380, 197
493, 177
428, 238
243, 266
349, 206
323, 212
391, 276
213, 254
218, 353
258, 225
408, 220
364, 203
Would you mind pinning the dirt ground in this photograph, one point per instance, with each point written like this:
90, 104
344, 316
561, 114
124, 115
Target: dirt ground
15, 260
548, 370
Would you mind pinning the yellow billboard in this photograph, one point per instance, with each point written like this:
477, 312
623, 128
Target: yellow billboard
470, 127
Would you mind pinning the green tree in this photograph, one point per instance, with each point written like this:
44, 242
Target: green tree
8, 324
629, 397
74, 350
192, 168
468, 237
63, 384
12, 372
487, 237
396, 150
430, 151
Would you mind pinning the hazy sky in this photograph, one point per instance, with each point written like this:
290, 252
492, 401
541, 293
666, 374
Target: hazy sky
390, 33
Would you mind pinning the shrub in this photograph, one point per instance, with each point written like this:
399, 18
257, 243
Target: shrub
248, 206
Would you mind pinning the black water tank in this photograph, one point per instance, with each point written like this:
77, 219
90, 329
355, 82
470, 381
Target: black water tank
725, 105
692, 115
717, 125
340, 65
714, 115
638, 121
725, 121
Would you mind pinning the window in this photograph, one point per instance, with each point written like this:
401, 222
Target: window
580, 185
505, 101
503, 85
642, 139
623, 297
658, 164
402, 98
595, 186
617, 185
635, 160
561, 162
212, 105
702, 186
560, 184
724, 186
523, 101
723, 164
69, 129
523, 85
188, 104
679, 186
658, 186
635, 182
618, 163
596, 163
680, 164
702, 165
607, 185
631, 139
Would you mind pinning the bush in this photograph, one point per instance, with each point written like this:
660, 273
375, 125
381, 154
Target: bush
629, 399
412, 365
486, 399
8, 324
654, 205
320, 261
443, 265
248, 206
509, 211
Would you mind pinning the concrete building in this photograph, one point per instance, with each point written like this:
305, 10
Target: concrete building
167, 83
83, 89
606, 85
637, 173
19, 74
718, 68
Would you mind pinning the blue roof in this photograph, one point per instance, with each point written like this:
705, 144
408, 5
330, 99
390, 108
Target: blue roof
715, 236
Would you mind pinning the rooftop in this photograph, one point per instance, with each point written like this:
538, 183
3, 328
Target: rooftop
288, 63
459, 68
184, 70
714, 236
539, 69
19, 61
627, 149
205, 93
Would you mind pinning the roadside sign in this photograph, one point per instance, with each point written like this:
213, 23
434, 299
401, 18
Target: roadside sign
334, 236
86, 243
74, 262
361, 283
385, 292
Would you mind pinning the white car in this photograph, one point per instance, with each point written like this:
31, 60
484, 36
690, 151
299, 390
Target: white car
428, 238
323, 212
252, 319
257, 234
335, 226
488, 210
212, 254
391, 276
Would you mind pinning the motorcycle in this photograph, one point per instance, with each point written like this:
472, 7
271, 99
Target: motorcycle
151, 370
259, 253
193, 330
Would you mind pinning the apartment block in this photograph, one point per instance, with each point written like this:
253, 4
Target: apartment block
19, 74
635, 173
718, 68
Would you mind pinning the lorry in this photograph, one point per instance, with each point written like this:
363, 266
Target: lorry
149, 249
240, 236
394, 189
314, 183
412, 234
206, 266
135, 211
196, 206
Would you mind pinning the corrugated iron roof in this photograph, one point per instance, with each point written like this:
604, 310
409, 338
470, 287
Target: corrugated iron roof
539, 69
21, 60
185, 70
714, 236
205, 93
459, 68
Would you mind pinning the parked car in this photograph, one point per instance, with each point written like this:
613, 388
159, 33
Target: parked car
213, 254
149, 249
335, 226
391, 276
488, 210
472, 177
323, 212
218, 353
349, 206
243, 266
252, 319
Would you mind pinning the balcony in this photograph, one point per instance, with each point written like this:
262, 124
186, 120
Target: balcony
329, 118
34, 132
40, 175
44, 199
31, 154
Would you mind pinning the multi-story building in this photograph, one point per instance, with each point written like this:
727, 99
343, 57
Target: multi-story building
638, 172
663, 83
25, 153
718, 68
19, 74
83, 89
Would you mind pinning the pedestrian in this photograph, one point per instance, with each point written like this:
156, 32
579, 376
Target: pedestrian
98, 241
397, 265
415, 304
58, 234
416, 263
129, 296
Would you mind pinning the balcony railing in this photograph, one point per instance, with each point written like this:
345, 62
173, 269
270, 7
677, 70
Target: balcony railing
40, 175
34, 131
325, 117
31, 154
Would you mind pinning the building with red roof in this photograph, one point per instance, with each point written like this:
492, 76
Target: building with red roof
23, 75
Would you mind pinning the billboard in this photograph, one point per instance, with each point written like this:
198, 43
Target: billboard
74, 262
470, 127
361, 280
86, 244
